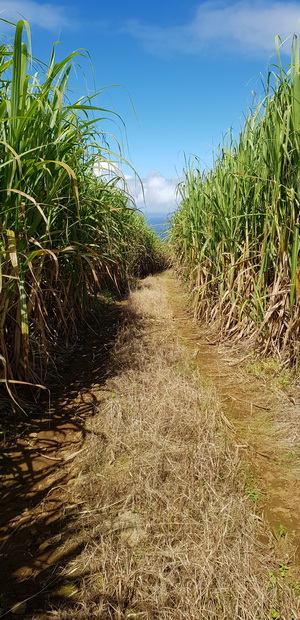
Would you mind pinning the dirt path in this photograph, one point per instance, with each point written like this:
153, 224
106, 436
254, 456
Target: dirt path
266, 422
139, 499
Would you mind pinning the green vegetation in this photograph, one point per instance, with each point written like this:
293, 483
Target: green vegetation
64, 233
253, 493
236, 233
279, 532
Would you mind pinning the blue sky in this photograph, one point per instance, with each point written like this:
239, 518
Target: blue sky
185, 71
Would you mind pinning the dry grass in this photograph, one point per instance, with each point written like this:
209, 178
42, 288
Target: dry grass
169, 531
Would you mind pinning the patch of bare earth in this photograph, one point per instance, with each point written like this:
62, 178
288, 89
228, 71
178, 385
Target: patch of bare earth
164, 527
265, 417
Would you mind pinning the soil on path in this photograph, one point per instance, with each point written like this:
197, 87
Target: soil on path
265, 419
71, 490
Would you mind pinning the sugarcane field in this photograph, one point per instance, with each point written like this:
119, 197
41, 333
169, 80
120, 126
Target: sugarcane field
149, 375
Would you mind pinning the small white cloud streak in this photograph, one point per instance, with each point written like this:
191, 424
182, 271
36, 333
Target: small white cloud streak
47, 16
159, 193
242, 26
107, 170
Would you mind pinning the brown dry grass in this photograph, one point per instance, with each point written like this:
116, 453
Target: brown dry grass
169, 531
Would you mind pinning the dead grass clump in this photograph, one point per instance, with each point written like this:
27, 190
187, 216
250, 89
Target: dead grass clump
169, 532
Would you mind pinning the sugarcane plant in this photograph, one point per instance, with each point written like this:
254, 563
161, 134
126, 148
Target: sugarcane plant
235, 235
64, 232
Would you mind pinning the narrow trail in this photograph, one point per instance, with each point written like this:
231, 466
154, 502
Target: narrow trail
266, 423
139, 497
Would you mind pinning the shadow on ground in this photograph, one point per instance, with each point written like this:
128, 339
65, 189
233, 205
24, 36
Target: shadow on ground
38, 466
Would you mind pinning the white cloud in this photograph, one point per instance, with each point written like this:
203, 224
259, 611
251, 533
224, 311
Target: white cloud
159, 193
156, 194
108, 170
48, 16
241, 26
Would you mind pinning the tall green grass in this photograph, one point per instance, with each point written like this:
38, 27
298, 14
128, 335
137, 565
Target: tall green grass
236, 233
64, 233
